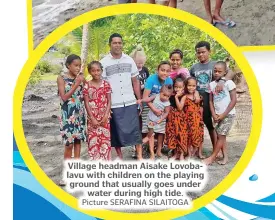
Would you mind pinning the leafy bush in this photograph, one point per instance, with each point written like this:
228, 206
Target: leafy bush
65, 50
44, 67
56, 69
35, 77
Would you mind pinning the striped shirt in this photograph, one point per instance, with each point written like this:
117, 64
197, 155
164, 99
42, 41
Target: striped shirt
119, 73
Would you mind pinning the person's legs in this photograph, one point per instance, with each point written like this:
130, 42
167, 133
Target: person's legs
213, 136
119, 152
225, 155
200, 155
207, 5
68, 151
67, 155
207, 119
220, 142
152, 1
173, 3
139, 151
217, 12
133, 1
77, 148
150, 138
160, 144
166, 3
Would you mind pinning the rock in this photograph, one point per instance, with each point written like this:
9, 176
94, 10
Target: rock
33, 97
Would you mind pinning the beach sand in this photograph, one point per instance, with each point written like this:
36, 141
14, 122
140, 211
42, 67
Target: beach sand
255, 19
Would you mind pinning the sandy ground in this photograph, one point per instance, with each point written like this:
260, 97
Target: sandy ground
41, 127
255, 19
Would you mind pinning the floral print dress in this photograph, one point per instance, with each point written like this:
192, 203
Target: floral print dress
72, 119
99, 139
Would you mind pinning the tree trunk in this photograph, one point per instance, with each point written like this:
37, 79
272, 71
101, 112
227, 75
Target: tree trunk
84, 46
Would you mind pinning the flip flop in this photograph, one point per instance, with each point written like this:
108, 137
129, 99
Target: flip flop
229, 23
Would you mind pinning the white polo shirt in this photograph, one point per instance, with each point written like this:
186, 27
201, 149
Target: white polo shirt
119, 73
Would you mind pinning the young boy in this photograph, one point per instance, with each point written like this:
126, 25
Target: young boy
161, 102
222, 107
203, 72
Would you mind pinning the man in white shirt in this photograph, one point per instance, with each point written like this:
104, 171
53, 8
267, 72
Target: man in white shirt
121, 72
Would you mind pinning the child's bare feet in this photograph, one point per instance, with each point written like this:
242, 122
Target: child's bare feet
210, 20
174, 157
181, 156
208, 161
219, 155
152, 157
218, 17
201, 156
223, 161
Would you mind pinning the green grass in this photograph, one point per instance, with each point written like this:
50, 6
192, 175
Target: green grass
49, 77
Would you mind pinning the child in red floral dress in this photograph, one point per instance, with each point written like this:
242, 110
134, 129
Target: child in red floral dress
97, 99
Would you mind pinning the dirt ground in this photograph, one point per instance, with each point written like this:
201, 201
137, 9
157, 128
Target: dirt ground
255, 19
41, 127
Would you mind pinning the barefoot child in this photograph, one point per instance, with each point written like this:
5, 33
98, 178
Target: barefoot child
152, 87
154, 122
175, 59
97, 99
176, 136
193, 118
72, 120
222, 106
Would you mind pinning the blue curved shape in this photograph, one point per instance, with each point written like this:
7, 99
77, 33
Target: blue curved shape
28, 205
270, 198
223, 212
21, 168
266, 211
201, 214
17, 159
15, 148
27, 180
254, 177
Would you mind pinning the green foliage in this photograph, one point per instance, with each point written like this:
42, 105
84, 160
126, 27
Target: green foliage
65, 50
157, 34
35, 77
44, 67
56, 69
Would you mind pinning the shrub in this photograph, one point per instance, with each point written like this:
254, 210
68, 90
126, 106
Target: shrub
44, 67
35, 77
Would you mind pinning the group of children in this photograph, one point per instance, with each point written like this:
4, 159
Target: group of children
173, 108
214, 18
